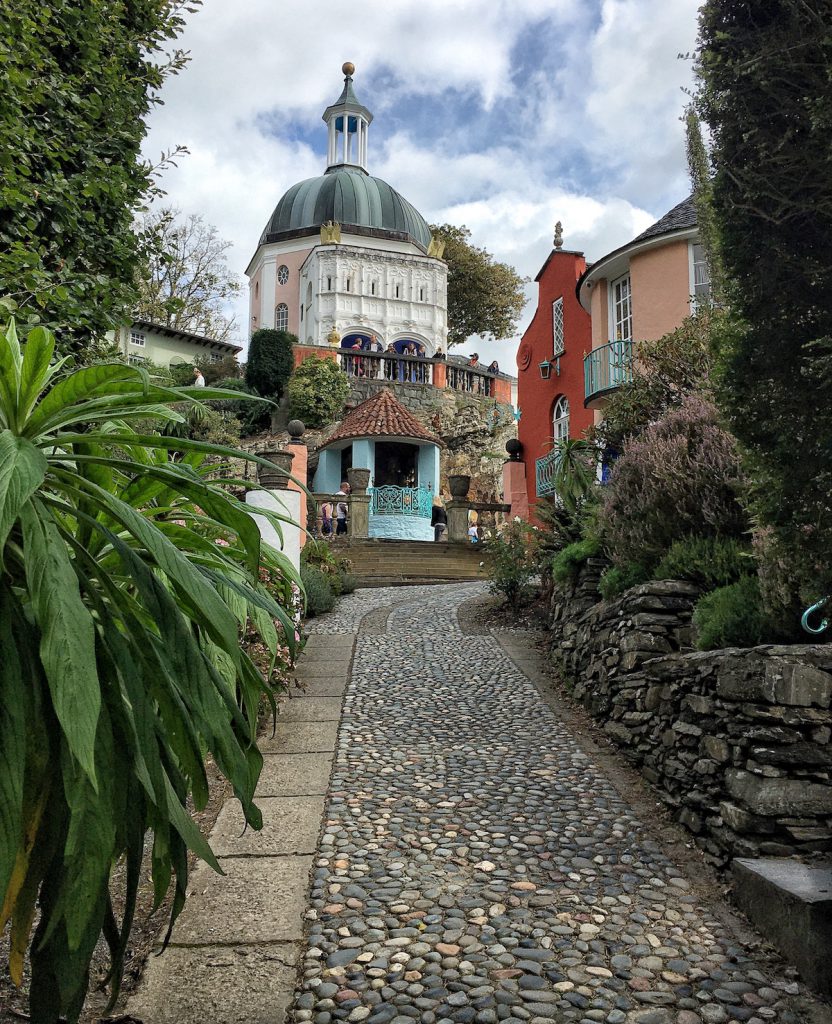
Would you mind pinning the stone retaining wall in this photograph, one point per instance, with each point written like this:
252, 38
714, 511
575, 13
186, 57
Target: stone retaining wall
736, 741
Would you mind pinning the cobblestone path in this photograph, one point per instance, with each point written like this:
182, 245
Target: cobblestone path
475, 866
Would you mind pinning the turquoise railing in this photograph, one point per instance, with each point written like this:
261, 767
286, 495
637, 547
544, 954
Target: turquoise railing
401, 501
544, 473
606, 368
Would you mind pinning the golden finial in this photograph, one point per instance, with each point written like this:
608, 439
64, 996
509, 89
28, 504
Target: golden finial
334, 338
558, 239
348, 68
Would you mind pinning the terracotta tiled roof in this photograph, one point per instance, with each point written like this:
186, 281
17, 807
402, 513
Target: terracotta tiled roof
381, 416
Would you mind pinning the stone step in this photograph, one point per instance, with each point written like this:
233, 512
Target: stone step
791, 904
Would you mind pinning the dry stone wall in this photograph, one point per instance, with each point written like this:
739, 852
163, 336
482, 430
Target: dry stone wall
737, 742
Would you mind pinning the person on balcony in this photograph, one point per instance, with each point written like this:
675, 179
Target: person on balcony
390, 361
439, 353
494, 367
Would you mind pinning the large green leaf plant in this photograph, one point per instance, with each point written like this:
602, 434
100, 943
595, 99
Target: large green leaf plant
126, 574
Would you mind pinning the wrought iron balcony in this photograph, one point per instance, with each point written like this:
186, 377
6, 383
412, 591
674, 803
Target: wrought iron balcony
605, 369
544, 473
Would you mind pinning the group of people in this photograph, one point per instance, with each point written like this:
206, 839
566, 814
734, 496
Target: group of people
340, 510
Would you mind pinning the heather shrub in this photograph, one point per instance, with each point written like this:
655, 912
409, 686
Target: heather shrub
320, 597
681, 475
709, 561
730, 616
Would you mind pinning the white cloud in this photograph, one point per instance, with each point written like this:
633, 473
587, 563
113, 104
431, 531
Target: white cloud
596, 134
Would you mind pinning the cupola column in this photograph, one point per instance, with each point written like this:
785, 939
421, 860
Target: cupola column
348, 122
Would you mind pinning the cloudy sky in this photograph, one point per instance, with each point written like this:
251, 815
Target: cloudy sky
503, 115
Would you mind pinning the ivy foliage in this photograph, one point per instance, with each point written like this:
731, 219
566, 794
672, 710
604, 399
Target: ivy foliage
765, 93
484, 297
77, 79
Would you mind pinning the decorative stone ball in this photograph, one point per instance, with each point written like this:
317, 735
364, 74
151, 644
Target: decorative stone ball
296, 428
348, 67
514, 447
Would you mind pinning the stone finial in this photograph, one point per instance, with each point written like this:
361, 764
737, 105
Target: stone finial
558, 239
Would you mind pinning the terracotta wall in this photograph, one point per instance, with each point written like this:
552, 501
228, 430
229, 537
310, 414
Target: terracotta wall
660, 280
536, 396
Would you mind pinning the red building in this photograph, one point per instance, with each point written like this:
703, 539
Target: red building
550, 366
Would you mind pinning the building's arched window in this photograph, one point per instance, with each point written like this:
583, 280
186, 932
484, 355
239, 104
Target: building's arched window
560, 420
281, 317
329, 284
257, 289
372, 287
421, 295
282, 274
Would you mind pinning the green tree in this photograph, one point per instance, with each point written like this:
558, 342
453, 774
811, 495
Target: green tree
78, 79
317, 391
184, 281
764, 92
484, 297
127, 578
270, 362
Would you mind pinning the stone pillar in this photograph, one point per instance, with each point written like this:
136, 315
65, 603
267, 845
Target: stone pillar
515, 488
300, 465
440, 373
359, 516
457, 520
285, 502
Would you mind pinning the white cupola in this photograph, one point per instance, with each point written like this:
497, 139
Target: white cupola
348, 122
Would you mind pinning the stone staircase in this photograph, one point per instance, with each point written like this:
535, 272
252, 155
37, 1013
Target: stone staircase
384, 563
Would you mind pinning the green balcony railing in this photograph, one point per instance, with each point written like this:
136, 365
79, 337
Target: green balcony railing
606, 368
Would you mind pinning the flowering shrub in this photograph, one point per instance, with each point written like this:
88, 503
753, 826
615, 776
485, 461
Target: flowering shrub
680, 476
515, 556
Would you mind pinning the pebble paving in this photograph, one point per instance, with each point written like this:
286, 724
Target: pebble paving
476, 867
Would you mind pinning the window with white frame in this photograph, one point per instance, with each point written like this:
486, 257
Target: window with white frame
700, 281
281, 317
136, 360
282, 274
560, 420
622, 310
559, 346
137, 338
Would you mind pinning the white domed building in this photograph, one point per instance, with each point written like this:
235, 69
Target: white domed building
344, 258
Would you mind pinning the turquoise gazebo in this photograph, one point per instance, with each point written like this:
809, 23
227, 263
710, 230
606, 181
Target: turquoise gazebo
402, 455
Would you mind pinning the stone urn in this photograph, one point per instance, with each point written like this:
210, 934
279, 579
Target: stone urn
459, 484
279, 476
359, 480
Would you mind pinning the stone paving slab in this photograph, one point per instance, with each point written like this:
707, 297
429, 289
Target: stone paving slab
290, 826
299, 738
260, 899
323, 642
322, 687
311, 709
294, 775
236, 985
325, 669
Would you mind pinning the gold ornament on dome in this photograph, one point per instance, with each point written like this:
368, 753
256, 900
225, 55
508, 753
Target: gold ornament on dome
334, 338
348, 68
436, 247
330, 232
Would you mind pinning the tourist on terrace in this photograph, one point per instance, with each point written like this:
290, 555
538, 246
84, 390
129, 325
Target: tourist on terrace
390, 362
438, 518
494, 367
341, 510
439, 353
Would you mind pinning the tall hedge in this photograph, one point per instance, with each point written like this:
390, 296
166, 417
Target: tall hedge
270, 361
765, 91
77, 80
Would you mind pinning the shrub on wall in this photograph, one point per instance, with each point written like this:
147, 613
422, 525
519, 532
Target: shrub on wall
568, 563
680, 476
709, 561
317, 391
730, 616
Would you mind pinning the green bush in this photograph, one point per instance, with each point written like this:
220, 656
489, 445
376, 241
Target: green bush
618, 578
270, 361
514, 559
317, 391
320, 597
568, 563
348, 582
709, 561
731, 616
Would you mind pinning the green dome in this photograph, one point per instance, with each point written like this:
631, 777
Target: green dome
351, 198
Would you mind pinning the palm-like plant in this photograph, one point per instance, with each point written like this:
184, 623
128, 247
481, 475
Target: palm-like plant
124, 580
574, 477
